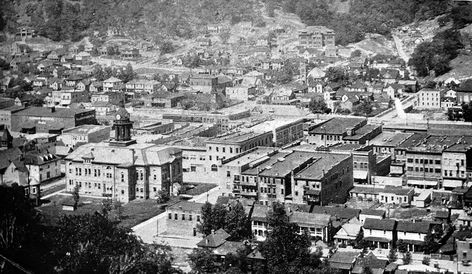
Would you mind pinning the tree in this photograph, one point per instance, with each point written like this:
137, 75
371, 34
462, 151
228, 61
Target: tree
237, 223
118, 207
88, 243
426, 260
17, 217
146, 259
106, 206
127, 74
318, 105
202, 261
206, 225
285, 250
392, 255
167, 47
364, 108
467, 112
406, 258
76, 196
98, 73
162, 196
356, 53
402, 246
336, 74
224, 36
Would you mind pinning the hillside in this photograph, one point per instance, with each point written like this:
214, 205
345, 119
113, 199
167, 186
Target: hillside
154, 20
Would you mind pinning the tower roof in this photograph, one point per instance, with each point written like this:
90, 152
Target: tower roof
124, 114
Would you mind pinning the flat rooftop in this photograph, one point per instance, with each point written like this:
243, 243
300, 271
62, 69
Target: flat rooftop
48, 112
275, 124
388, 138
253, 156
235, 138
84, 129
284, 165
323, 163
338, 125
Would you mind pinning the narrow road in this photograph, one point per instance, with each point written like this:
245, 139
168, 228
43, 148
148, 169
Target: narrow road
399, 46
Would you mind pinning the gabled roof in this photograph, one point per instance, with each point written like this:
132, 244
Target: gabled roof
215, 239
385, 224
418, 227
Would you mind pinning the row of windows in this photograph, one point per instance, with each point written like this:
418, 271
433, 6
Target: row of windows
331, 137
429, 170
183, 217
424, 161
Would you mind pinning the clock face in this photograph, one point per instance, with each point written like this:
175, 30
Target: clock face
118, 117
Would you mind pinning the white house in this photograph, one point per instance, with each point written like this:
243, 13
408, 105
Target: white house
413, 234
381, 233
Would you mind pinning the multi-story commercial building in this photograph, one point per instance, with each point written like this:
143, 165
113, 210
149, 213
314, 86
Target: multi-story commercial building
204, 83
326, 180
284, 131
84, 134
6, 114
316, 37
232, 144
335, 130
42, 166
122, 169
429, 98
147, 86
114, 98
41, 119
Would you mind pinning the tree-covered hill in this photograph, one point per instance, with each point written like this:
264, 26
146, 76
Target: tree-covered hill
72, 19
151, 19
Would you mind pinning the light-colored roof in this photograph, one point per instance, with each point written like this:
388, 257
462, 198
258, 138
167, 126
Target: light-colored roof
112, 80
144, 154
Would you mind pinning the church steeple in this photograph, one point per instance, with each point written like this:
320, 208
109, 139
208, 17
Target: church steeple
122, 126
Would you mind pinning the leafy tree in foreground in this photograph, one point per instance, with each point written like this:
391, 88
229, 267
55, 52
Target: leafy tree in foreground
93, 244
285, 249
237, 223
318, 106
202, 261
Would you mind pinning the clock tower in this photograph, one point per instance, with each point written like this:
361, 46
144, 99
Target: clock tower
122, 126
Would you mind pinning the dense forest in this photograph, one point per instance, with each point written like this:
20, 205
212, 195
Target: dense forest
433, 57
70, 20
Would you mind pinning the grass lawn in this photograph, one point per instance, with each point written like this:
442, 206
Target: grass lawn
132, 213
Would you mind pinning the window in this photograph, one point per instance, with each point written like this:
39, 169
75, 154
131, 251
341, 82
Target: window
170, 216
183, 217
214, 167
228, 174
198, 218
175, 216
190, 217
193, 168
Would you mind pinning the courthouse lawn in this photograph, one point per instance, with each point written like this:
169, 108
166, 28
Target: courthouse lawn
132, 213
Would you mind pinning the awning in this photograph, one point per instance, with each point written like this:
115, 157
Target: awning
312, 192
452, 183
377, 239
360, 174
423, 182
